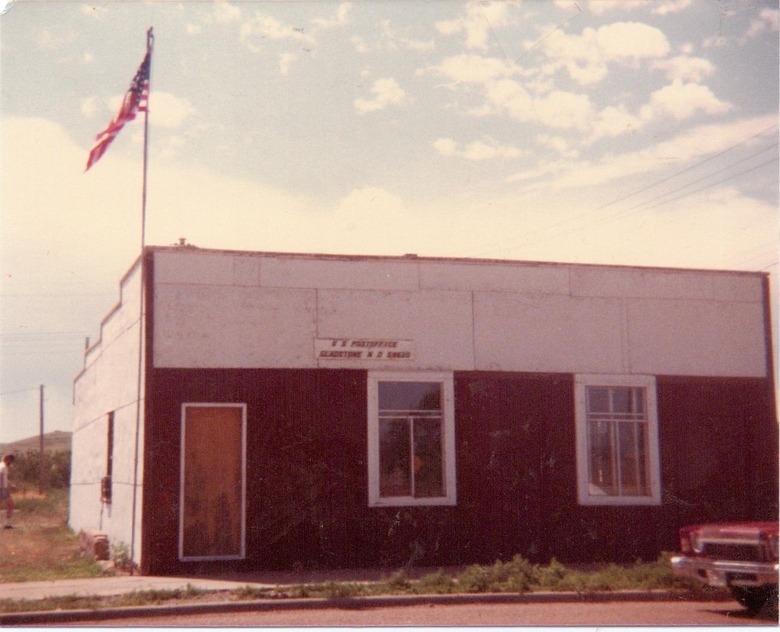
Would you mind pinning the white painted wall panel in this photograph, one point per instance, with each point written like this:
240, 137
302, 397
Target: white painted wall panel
495, 277
523, 317
233, 327
666, 284
246, 270
696, 338
439, 324
513, 332
194, 267
367, 274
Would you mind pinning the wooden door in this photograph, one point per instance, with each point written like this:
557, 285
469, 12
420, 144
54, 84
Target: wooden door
213, 482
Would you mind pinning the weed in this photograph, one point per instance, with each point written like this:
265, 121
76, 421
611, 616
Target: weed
120, 555
65, 602
475, 578
251, 592
341, 590
301, 591
518, 575
398, 581
549, 577
435, 583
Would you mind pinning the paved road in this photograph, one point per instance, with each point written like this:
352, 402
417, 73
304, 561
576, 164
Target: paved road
528, 614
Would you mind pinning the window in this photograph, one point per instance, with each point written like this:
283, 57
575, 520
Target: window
411, 451
110, 445
617, 440
105, 482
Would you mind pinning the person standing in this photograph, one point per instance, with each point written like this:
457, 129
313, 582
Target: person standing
6, 488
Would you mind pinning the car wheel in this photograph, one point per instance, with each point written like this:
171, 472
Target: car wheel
754, 599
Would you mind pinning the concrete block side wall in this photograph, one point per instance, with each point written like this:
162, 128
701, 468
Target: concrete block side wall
108, 383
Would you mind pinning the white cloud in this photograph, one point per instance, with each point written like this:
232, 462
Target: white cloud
360, 45
341, 19
672, 6
630, 40
685, 68
445, 146
687, 147
395, 40
368, 202
477, 23
91, 106
218, 12
472, 69
510, 97
389, 40
559, 145
767, 21
587, 56
564, 110
165, 109
558, 109
599, 7
477, 151
266, 26
682, 100
225, 12
614, 121
285, 61
386, 91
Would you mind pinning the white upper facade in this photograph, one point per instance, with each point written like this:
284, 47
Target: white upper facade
220, 309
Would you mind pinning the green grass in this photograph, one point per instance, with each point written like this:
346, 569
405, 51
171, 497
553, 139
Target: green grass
42, 546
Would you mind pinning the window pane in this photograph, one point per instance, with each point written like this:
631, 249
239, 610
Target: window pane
598, 400
639, 401
601, 477
634, 455
621, 400
629, 461
409, 396
642, 454
428, 480
394, 457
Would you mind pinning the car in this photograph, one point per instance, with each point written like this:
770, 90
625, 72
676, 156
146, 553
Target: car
740, 556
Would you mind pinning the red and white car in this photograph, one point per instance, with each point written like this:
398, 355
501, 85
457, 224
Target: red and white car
741, 556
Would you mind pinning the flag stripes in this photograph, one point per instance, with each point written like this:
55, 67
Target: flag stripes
136, 100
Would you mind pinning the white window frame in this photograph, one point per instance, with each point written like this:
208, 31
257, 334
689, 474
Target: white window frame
647, 382
448, 438
242, 546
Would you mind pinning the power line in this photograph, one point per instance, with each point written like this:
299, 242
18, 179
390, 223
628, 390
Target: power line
707, 186
589, 221
699, 179
687, 169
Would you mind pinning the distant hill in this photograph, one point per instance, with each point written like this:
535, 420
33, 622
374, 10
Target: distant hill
55, 441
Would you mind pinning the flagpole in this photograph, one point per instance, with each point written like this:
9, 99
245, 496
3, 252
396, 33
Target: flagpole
139, 384
149, 47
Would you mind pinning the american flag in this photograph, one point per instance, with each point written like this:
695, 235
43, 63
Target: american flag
136, 100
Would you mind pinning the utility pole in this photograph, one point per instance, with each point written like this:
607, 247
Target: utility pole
40, 458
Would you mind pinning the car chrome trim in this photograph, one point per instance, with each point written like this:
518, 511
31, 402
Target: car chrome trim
725, 572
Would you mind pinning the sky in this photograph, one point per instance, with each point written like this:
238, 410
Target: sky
632, 132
